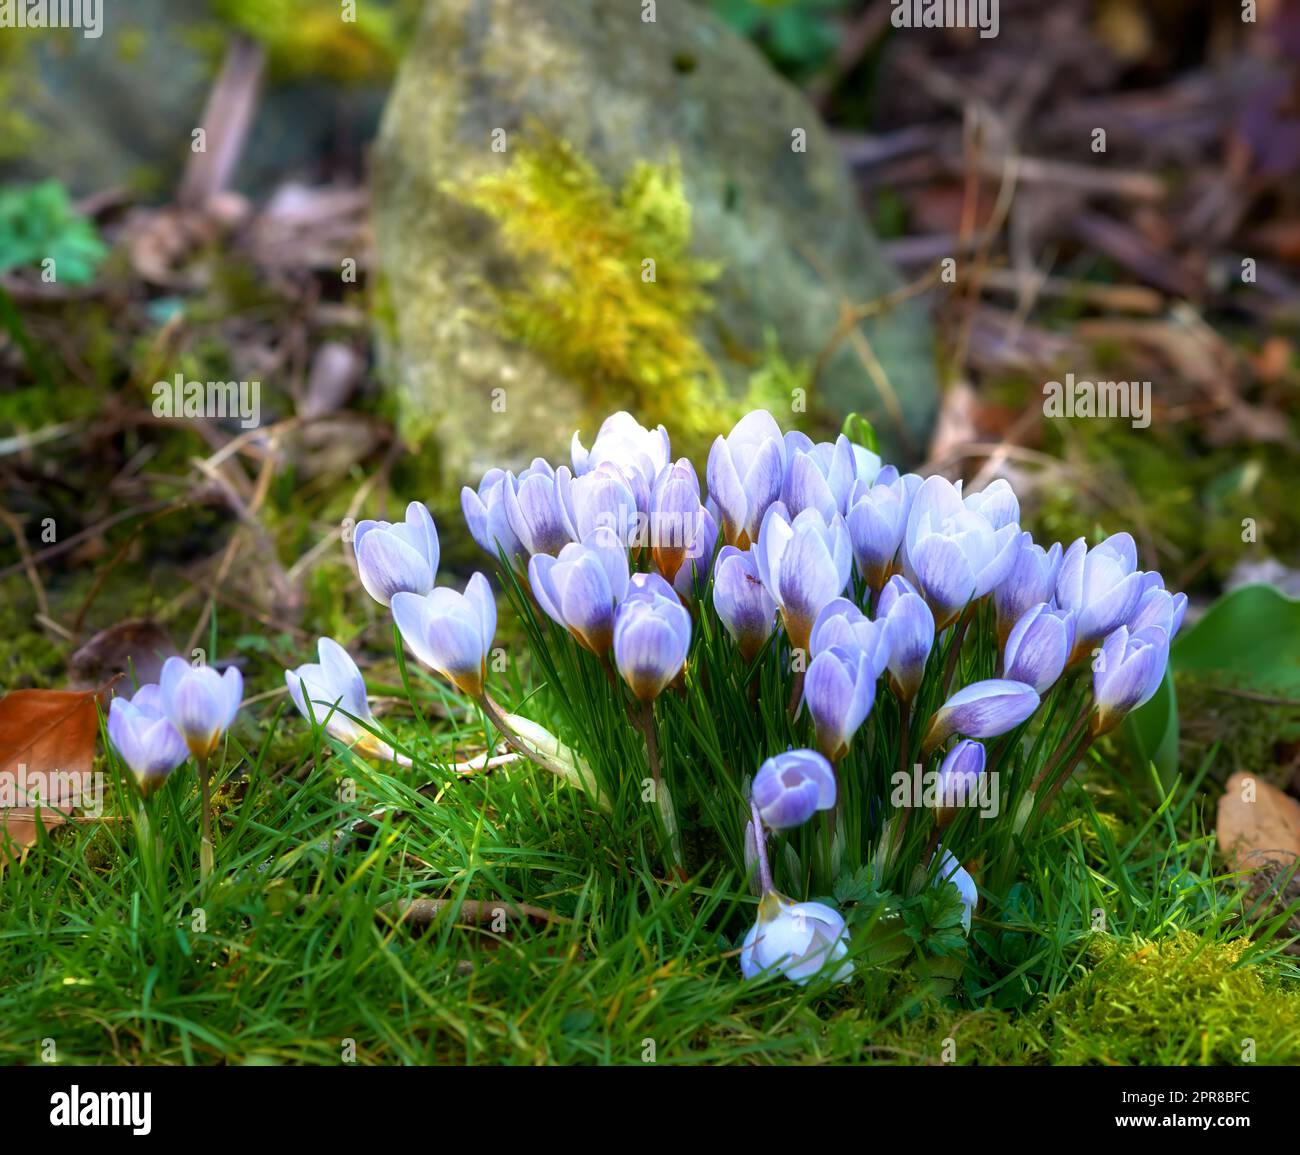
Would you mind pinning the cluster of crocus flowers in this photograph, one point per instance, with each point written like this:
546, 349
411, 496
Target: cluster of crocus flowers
184, 715
905, 622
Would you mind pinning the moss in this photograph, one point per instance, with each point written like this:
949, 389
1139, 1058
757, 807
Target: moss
1181, 1000
587, 302
29, 659
306, 38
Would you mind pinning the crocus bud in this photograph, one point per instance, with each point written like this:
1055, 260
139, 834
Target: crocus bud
953, 552
959, 776
639, 453
332, 693
981, 710
580, 588
841, 623
751, 860
876, 519
996, 503
909, 629
199, 702
1127, 674
599, 498
791, 787
839, 690
397, 556
149, 744
741, 600
485, 514
951, 871
451, 632
798, 939
804, 564
675, 513
1031, 580
820, 477
652, 636
1039, 646
533, 509
1101, 585
698, 562
1158, 607
744, 475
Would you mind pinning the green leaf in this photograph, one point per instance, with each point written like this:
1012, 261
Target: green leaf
38, 222
860, 431
1250, 637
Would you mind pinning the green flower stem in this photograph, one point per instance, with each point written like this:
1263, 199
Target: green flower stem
205, 845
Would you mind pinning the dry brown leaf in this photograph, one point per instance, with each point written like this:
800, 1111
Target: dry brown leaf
1258, 824
138, 647
47, 750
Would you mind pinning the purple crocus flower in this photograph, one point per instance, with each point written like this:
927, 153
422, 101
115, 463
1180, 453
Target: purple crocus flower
745, 472
981, 710
1158, 607
953, 552
959, 776
819, 477
791, 787
804, 564
640, 454
876, 519
333, 694
1031, 580
485, 514
675, 513
652, 636
909, 630
798, 939
1127, 674
534, 509
1101, 585
149, 744
741, 600
1038, 647
841, 623
839, 690
400, 556
451, 632
600, 498
698, 562
580, 588
199, 702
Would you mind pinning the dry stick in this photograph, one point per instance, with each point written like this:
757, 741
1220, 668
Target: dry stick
1064, 748
959, 637
28, 563
1050, 796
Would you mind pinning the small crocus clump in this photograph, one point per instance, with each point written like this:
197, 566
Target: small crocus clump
892, 656
141, 732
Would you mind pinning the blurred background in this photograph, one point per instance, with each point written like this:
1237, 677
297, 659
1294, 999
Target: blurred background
422, 228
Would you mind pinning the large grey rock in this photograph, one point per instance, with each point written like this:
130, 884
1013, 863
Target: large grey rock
784, 225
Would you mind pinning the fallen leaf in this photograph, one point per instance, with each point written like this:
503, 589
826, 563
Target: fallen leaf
1260, 831
137, 647
47, 750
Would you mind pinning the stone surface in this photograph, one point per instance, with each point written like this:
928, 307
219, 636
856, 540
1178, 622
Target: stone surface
784, 226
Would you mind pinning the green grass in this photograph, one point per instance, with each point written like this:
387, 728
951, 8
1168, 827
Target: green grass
101, 952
